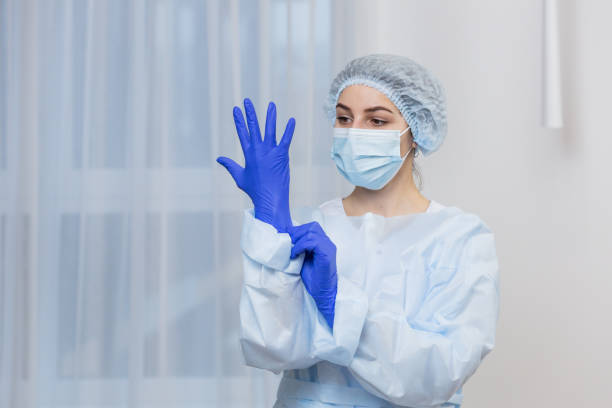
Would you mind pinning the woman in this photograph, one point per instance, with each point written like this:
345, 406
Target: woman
385, 298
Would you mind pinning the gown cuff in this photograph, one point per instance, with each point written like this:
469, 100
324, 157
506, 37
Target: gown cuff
349, 317
262, 243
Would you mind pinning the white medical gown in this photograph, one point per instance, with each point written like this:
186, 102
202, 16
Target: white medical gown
416, 308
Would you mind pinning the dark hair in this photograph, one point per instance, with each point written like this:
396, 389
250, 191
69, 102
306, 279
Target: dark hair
416, 175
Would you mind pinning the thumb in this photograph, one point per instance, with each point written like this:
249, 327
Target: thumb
234, 169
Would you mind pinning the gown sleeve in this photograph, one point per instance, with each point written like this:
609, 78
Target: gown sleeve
422, 360
280, 325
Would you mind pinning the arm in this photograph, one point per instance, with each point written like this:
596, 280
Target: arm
423, 361
281, 327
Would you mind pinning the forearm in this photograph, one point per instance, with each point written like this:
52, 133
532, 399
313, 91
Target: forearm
274, 314
281, 326
423, 361
275, 321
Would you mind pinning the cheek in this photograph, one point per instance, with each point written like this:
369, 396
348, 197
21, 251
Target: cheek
404, 146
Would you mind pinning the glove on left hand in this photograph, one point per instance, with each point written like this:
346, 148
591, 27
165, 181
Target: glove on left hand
319, 268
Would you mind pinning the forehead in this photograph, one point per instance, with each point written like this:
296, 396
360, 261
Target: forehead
360, 97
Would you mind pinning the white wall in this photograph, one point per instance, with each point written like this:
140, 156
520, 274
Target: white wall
547, 194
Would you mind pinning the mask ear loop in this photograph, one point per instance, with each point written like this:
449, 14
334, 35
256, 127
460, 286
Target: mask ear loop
408, 152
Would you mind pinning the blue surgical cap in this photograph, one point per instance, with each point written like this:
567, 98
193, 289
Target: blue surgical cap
416, 93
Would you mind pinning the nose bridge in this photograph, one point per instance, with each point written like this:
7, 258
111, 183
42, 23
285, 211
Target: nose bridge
359, 121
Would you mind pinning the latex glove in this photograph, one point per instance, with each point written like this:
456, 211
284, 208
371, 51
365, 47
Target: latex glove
319, 268
265, 177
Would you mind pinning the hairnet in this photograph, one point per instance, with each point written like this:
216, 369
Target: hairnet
416, 93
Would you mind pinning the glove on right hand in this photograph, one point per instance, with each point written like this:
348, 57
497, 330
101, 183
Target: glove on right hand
265, 177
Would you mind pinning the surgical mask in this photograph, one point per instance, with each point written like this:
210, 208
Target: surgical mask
368, 157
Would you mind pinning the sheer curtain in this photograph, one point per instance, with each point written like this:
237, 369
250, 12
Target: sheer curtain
120, 270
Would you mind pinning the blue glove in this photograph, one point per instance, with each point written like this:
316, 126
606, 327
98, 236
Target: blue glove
319, 268
265, 177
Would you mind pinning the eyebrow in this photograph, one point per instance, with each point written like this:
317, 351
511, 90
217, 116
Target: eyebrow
372, 109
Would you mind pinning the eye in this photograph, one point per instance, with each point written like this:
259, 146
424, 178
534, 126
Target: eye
378, 122
342, 119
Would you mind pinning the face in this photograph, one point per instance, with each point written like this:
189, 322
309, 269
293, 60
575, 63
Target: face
364, 107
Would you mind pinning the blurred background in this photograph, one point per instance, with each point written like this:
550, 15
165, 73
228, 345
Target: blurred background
120, 265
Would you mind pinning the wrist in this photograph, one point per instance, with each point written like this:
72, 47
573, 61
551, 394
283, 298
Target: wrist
279, 221
327, 308
282, 224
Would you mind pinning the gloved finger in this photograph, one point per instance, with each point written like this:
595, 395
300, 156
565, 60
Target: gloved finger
288, 135
234, 169
298, 231
252, 122
243, 133
304, 244
270, 135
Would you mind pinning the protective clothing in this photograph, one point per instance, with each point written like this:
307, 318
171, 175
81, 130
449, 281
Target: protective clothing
265, 177
416, 93
415, 313
319, 267
368, 157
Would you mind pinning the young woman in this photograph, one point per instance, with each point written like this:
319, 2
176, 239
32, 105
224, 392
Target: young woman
386, 298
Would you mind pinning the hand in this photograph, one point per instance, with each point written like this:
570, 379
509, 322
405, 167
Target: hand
319, 267
265, 177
